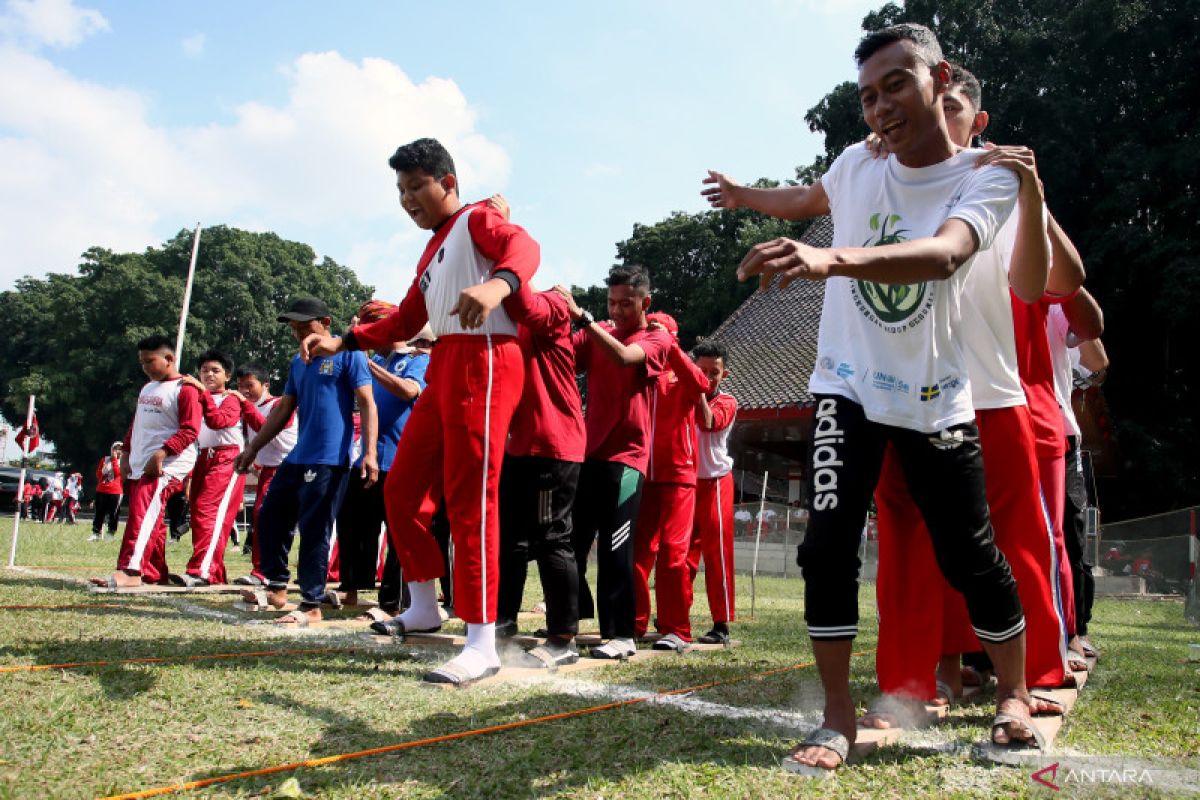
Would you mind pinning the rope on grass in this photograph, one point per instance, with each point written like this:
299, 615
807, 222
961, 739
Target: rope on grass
167, 659
449, 737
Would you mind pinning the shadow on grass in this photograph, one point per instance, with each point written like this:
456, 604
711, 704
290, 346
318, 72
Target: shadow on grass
603, 747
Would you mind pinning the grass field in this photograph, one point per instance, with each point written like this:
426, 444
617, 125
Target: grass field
96, 731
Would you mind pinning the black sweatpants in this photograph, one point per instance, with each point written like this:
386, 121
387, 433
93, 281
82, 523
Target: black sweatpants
606, 508
359, 521
944, 471
107, 506
1075, 534
393, 591
536, 498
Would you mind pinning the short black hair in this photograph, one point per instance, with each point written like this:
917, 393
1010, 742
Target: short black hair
634, 276
250, 369
961, 76
213, 354
710, 348
156, 342
427, 155
924, 42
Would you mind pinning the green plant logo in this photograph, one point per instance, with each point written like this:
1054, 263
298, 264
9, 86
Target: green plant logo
891, 303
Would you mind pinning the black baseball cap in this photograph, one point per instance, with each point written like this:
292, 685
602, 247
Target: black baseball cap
304, 309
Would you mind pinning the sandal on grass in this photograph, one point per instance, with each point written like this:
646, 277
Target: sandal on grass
456, 675
827, 738
550, 657
945, 692
1050, 706
897, 711
1035, 740
295, 617
394, 627
373, 614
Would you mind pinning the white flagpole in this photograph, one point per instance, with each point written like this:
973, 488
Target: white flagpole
12, 551
187, 297
762, 502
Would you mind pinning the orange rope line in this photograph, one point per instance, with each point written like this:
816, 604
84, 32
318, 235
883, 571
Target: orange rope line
165, 659
449, 737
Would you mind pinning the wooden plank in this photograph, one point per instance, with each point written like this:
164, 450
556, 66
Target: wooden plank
156, 588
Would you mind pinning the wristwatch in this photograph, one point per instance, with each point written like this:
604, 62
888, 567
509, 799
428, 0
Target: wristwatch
586, 317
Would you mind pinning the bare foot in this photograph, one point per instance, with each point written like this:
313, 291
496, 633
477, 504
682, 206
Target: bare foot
290, 618
894, 711
839, 716
119, 578
276, 598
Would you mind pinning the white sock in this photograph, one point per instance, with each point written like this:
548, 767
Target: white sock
423, 613
481, 638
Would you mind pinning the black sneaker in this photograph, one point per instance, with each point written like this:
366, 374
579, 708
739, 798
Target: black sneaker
715, 636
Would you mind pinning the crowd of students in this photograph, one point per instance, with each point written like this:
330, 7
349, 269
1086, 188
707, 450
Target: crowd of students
941, 384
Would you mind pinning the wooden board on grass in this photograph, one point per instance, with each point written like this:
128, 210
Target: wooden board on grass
156, 588
1048, 726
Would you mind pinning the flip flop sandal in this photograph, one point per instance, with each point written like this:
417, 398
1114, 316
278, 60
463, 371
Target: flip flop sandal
907, 712
1058, 710
671, 642
395, 628
831, 740
1025, 722
609, 651
456, 675
332, 600
249, 580
295, 617
715, 637
373, 614
944, 690
104, 583
191, 581
176, 580
550, 659
1089, 649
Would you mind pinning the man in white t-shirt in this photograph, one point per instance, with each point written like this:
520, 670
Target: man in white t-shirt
889, 368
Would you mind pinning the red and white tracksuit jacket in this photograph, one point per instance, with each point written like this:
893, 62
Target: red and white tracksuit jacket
167, 418
664, 528
453, 443
216, 490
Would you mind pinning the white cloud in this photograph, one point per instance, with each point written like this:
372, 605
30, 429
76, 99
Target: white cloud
82, 165
193, 46
57, 23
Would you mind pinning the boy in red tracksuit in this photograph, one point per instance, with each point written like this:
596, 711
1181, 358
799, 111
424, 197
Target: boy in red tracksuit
216, 490
159, 452
541, 472
257, 402
453, 444
664, 527
712, 534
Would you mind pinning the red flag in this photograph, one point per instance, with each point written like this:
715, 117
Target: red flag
30, 434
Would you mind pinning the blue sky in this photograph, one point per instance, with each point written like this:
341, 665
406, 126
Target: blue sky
122, 123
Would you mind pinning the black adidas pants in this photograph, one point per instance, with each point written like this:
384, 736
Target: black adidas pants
606, 511
944, 471
1075, 534
536, 498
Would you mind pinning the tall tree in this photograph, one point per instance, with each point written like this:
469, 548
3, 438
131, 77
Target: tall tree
70, 339
1104, 92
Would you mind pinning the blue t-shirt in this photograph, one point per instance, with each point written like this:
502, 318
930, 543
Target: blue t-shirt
324, 392
392, 412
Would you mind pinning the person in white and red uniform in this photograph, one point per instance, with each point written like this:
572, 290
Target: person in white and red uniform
453, 444
110, 487
257, 402
712, 533
216, 488
664, 526
160, 450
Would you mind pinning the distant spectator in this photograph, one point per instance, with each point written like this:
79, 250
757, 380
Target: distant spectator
71, 491
110, 488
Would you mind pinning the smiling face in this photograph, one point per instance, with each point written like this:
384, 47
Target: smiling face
627, 307
901, 102
427, 200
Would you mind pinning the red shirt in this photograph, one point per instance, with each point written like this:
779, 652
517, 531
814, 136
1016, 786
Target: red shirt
618, 405
113, 485
493, 236
549, 419
1036, 368
673, 452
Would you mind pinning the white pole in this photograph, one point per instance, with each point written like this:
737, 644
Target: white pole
762, 502
12, 551
187, 297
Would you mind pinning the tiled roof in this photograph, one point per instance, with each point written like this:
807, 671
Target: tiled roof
772, 338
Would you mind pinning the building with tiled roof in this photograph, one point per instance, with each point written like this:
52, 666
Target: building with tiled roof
772, 343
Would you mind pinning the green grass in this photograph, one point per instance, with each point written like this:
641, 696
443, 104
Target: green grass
96, 731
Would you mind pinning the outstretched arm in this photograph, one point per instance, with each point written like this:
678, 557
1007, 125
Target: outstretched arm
625, 355
784, 202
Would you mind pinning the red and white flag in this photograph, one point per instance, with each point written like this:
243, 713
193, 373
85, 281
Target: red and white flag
29, 437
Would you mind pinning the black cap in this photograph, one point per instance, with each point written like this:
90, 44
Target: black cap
304, 309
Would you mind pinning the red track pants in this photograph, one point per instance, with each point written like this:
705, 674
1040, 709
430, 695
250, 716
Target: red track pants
265, 474
664, 532
144, 544
453, 447
216, 498
1053, 473
712, 538
920, 616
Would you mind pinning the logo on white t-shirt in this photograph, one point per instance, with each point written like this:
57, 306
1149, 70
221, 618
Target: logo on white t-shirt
894, 307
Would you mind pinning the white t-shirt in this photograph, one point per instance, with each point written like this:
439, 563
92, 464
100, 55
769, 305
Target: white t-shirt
155, 421
1057, 328
275, 451
893, 349
987, 334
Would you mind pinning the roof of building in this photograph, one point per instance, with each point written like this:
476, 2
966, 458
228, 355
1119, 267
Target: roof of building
772, 338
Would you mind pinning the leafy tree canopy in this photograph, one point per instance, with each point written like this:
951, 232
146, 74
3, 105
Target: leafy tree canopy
71, 339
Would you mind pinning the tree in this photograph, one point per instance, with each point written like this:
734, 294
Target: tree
71, 339
1104, 92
